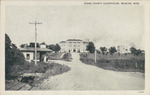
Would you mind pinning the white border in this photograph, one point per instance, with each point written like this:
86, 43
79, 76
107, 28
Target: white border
146, 5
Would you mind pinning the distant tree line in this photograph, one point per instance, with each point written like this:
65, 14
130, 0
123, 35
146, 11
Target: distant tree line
91, 48
135, 51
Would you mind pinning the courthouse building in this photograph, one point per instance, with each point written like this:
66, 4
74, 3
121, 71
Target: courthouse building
73, 45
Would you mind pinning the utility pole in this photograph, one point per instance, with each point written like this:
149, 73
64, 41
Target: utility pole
35, 56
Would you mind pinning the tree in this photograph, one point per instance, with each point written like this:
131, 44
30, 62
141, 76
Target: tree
97, 51
53, 47
7, 43
103, 49
57, 48
138, 52
24, 45
13, 56
43, 43
90, 47
134, 51
112, 50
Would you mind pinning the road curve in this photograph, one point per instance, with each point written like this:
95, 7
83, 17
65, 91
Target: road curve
88, 77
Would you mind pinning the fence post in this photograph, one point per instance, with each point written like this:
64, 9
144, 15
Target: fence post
136, 64
95, 55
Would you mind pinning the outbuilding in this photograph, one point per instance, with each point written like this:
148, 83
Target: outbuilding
29, 53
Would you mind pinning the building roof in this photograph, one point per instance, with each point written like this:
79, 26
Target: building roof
29, 49
42, 44
85, 42
74, 40
62, 42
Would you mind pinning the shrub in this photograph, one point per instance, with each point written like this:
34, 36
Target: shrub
13, 56
41, 67
66, 56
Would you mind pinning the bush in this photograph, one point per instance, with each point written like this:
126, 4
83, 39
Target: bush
13, 56
41, 67
67, 56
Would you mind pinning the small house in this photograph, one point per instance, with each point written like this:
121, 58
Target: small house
29, 53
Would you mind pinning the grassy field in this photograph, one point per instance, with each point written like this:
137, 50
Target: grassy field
47, 69
54, 56
58, 56
122, 62
115, 56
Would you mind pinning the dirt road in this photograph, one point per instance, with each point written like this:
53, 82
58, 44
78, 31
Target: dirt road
88, 77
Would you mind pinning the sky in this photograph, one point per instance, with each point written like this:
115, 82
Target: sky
105, 25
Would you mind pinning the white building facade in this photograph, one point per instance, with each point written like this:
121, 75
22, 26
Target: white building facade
73, 45
123, 49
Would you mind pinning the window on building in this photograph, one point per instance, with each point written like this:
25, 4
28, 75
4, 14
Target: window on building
28, 57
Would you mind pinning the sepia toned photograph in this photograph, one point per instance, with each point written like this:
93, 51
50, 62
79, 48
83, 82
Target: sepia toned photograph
84, 46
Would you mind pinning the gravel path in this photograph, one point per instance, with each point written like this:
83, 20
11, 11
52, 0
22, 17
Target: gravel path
88, 77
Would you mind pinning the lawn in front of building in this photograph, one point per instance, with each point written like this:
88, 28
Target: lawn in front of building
115, 56
54, 56
59, 56
122, 62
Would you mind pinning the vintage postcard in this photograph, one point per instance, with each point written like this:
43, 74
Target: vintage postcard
75, 47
